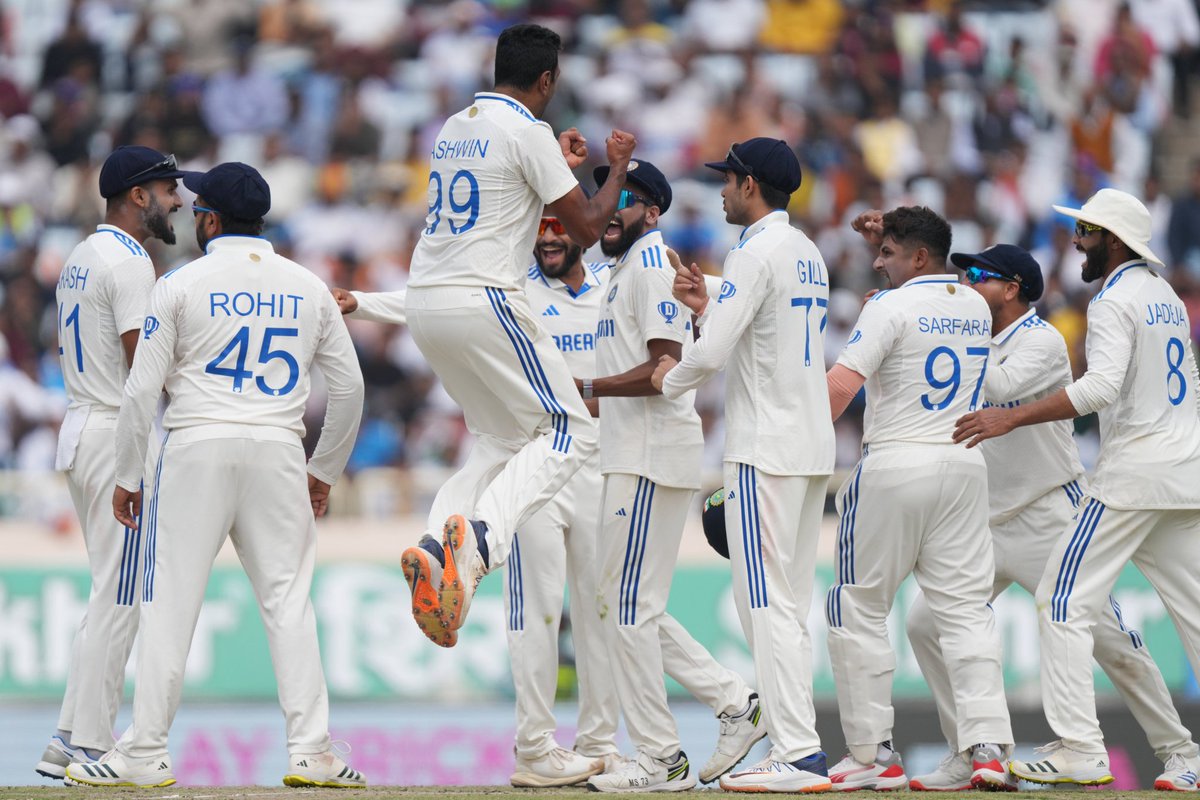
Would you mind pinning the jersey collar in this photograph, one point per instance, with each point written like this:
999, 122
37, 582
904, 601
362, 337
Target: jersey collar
946, 278
647, 239
1128, 265
232, 241
104, 226
514, 104
1006, 334
777, 217
589, 281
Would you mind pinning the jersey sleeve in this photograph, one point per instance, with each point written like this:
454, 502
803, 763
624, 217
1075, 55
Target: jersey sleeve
542, 163
385, 307
874, 336
151, 362
1038, 365
725, 320
1109, 347
129, 293
659, 315
337, 361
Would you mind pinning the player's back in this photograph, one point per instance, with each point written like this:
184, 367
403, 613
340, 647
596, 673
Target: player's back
924, 348
492, 169
1150, 435
102, 292
248, 323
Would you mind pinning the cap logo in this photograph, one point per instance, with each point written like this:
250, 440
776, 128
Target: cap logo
632, 166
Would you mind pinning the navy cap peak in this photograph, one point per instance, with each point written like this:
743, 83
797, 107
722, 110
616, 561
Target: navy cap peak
645, 176
134, 165
769, 161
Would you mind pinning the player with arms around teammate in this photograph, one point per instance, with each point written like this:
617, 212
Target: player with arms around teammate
779, 446
493, 167
915, 504
1034, 489
1143, 499
232, 336
650, 449
102, 295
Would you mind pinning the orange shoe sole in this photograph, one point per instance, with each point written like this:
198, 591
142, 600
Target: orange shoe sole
453, 591
426, 605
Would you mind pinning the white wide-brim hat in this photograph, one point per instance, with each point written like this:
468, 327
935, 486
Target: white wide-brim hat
1122, 215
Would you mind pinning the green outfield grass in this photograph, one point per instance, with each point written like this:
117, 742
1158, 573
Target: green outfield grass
445, 793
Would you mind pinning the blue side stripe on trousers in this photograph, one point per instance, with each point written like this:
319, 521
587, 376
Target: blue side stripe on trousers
1134, 636
641, 557
532, 368
635, 550
1069, 568
130, 548
752, 536
516, 588
845, 551
630, 548
152, 527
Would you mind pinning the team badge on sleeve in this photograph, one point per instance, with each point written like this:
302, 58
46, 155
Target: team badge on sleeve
668, 310
149, 326
728, 290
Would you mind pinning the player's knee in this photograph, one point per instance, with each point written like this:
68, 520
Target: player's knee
919, 624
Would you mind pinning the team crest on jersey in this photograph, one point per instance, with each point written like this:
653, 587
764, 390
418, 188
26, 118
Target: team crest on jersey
728, 290
149, 326
854, 338
668, 310
612, 294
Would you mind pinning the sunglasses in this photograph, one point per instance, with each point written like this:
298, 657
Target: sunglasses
977, 275
167, 163
198, 210
732, 158
628, 199
551, 224
1084, 228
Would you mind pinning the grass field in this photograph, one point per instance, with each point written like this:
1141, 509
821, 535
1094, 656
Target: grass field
447, 793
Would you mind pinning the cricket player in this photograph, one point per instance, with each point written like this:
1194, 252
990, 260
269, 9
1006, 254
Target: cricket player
779, 445
102, 295
650, 453
232, 337
916, 503
493, 167
1034, 489
1143, 499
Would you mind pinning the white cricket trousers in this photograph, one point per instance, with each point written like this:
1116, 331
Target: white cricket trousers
251, 485
512, 384
921, 510
557, 544
1022, 547
1073, 595
104, 640
642, 525
773, 524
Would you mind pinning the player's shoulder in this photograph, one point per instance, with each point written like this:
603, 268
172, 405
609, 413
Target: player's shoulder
651, 255
1035, 331
112, 246
1127, 286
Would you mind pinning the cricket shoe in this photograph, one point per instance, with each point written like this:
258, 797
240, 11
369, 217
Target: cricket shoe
613, 762
1064, 765
559, 767
885, 773
809, 774
952, 775
739, 733
117, 769
423, 570
325, 770
646, 774
1179, 775
464, 567
57, 756
989, 772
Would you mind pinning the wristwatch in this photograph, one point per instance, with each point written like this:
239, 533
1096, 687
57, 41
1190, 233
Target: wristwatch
587, 389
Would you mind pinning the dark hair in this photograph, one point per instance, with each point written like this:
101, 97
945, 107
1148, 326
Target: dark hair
232, 226
774, 198
523, 53
920, 227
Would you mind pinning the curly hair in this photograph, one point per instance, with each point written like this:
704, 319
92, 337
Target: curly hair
918, 226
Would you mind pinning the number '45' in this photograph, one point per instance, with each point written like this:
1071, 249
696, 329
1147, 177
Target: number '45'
236, 352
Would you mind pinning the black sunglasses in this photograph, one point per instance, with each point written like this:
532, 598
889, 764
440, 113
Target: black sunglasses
169, 164
732, 158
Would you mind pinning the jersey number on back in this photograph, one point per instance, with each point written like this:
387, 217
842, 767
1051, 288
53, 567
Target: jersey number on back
807, 304
1174, 362
462, 183
955, 378
71, 321
236, 351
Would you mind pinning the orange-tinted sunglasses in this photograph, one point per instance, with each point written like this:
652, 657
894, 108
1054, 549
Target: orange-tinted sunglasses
553, 224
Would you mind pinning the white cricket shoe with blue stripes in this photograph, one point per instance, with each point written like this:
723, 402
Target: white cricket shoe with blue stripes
57, 756
1064, 765
646, 774
118, 769
1179, 774
326, 770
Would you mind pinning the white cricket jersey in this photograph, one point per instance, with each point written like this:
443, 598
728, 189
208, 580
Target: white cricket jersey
657, 437
923, 349
1028, 362
492, 169
1142, 380
232, 336
570, 316
766, 328
103, 291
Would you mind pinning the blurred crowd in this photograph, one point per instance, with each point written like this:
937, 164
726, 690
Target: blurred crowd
988, 112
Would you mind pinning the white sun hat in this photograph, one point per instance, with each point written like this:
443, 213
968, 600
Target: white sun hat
1121, 214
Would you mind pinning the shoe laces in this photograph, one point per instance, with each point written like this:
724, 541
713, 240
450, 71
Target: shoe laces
950, 760
1053, 747
340, 748
560, 756
1175, 763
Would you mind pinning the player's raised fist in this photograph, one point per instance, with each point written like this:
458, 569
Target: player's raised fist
870, 225
620, 148
347, 303
574, 147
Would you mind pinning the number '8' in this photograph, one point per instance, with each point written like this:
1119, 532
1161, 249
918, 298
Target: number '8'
1174, 362
437, 193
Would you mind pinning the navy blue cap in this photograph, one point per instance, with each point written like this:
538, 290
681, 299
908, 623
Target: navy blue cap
1010, 261
232, 188
646, 177
133, 165
769, 161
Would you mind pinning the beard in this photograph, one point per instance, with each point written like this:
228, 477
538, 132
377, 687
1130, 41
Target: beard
155, 220
1094, 263
571, 256
629, 234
